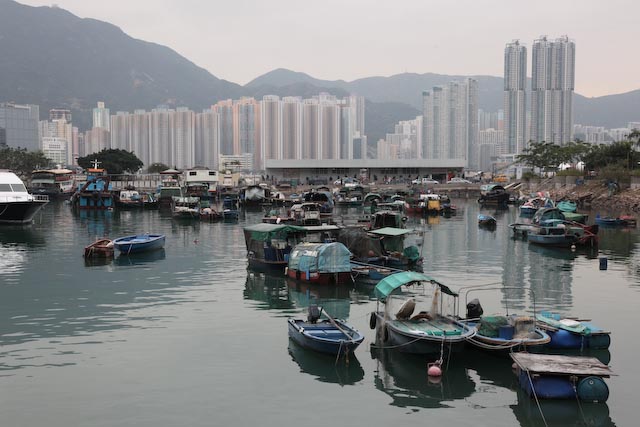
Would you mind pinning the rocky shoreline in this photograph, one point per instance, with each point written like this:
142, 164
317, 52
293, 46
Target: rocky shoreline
595, 195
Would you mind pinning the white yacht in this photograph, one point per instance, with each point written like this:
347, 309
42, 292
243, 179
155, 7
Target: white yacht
17, 206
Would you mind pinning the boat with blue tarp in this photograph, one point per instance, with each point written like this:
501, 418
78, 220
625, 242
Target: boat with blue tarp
429, 332
323, 263
331, 336
139, 243
570, 333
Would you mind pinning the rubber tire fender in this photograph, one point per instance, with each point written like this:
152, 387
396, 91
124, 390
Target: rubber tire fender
373, 319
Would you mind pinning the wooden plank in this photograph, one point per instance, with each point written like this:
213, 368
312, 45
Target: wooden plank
561, 365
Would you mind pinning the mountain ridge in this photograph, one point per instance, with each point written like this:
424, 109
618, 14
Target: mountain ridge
52, 58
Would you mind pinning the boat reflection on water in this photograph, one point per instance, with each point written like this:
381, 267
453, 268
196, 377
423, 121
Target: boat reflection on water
324, 367
560, 412
565, 253
97, 262
140, 258
335, 300
495, 374
404, 377
269, 290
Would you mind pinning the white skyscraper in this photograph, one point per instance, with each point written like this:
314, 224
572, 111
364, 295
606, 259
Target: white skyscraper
182, 142
271, 127
120, 131
208, 139
450, 122
515, 86
291, 127
101, 117
552, 84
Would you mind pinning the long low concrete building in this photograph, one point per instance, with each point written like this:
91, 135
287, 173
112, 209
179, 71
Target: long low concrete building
322, 171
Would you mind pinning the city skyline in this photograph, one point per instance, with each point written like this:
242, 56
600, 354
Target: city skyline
266, 43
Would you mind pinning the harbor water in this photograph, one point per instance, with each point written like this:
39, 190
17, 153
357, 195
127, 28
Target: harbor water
187, 336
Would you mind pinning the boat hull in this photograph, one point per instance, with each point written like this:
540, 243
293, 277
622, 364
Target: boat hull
137, 244
321, 278
325, 337
19, 212
405, 341
562, 240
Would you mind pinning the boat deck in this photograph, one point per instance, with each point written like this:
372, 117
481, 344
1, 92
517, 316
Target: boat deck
436, 327
561, 365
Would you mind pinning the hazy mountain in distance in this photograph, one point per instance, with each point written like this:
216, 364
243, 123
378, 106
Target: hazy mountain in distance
53, 58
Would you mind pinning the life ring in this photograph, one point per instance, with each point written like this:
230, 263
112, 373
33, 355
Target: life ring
372, 321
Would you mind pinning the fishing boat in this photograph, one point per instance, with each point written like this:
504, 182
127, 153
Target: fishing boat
17, 206
552, 236
54, 183
501, 333
307, 213
323, 197
208, 212
139, 243
487, 221
549, 376
101, 248
255, 196
129, 199
567, 206
571, 333
387, 218
230, 210
606, 221
201, 183
370, 274
96, 193
169, 188
428, 332
269, 245
323, 263
532, 205
331, 336
185, 207
493, 194
383, 247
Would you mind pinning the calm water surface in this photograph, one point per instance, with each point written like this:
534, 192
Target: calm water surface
188, 337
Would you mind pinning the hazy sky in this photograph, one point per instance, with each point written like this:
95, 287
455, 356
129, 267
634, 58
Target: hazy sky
238, 40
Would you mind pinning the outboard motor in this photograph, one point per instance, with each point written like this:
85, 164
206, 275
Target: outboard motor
474, 309
313, 314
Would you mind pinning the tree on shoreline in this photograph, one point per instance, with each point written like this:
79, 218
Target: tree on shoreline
115, 161
22, 162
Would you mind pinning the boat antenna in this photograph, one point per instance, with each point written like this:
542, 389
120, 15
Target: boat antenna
95, 163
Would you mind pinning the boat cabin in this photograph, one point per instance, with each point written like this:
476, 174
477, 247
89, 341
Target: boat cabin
323, 263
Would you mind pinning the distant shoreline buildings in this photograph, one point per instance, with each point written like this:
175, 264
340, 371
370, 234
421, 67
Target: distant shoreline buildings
292, 132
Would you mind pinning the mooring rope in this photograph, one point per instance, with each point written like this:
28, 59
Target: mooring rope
535, 395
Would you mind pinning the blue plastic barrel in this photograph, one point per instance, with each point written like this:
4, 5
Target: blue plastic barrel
603, 263
505, 332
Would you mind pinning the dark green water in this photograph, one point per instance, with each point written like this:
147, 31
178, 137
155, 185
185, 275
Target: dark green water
189, 337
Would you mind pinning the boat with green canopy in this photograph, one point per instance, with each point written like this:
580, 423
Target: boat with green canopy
428, 332
269, 245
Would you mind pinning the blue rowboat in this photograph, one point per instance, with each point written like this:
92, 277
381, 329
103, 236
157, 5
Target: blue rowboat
331, 336
139, 243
